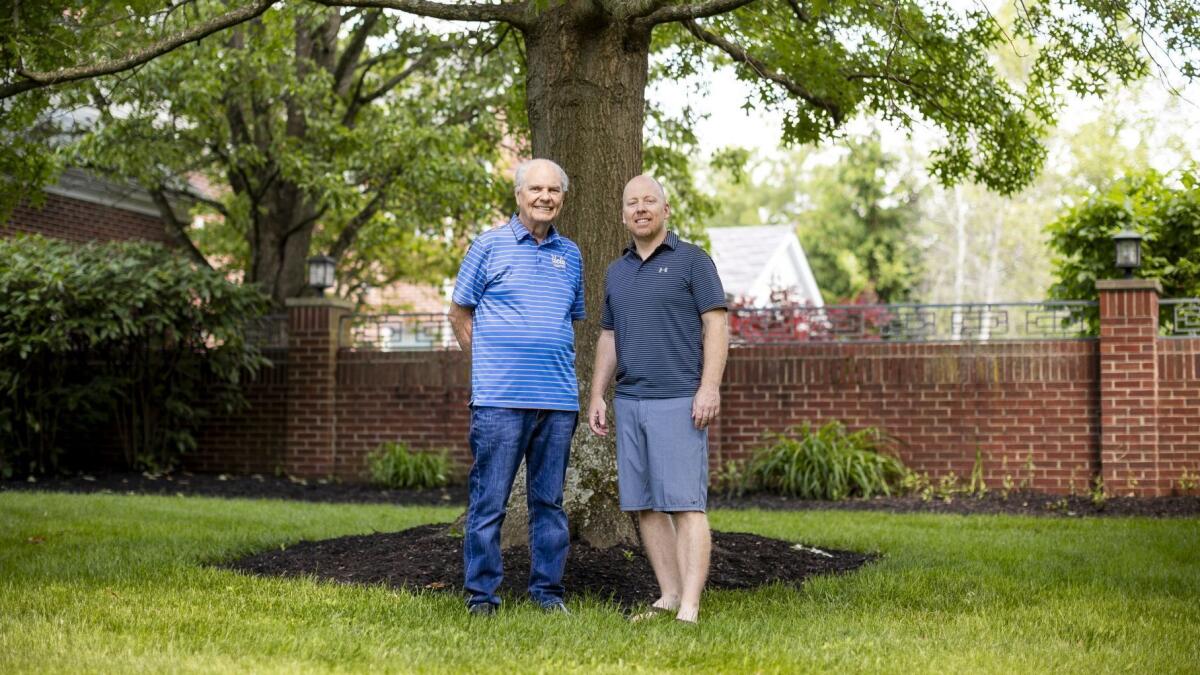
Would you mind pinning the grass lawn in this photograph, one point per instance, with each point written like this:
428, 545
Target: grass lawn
107, 583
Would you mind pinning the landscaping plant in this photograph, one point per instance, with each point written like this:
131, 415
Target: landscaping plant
125, 337
827, 463
396, 466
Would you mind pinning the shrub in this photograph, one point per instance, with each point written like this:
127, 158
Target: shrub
395, 466
124, 334
827, 463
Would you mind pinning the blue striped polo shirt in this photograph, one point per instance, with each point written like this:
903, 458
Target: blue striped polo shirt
653, 307
525, 296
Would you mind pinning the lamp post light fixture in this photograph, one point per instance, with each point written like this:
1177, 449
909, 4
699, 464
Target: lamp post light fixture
320, 273
1129, 251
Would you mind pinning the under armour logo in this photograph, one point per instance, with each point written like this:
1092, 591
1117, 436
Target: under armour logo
662, 270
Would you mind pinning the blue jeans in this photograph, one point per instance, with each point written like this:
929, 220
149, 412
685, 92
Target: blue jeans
500, 438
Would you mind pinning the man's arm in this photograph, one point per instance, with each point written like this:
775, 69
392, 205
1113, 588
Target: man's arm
460, 320
602, 373
707, 404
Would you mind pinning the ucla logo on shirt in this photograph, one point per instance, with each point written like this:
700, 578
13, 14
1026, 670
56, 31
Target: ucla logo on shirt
559, 262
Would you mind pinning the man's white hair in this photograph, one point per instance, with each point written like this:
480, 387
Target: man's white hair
523, 168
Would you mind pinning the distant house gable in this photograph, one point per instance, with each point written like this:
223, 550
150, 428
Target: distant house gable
754, 261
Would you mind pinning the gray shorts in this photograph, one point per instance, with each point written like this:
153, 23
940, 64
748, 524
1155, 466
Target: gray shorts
662, 458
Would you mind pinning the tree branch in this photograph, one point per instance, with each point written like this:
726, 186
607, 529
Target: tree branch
636, 9
349, 233
514, 14
343, 73
395, 80
800, 12
40, 79
740, 55
699, 10
177, 228
194, 196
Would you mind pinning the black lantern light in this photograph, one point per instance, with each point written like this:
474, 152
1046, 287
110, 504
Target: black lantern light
1129, 251
320, 273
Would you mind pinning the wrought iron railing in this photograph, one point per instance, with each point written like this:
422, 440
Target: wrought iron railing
1180, 317
397, 332
268, 332
911, 322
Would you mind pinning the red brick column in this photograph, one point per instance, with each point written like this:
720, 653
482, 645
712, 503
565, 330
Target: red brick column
1129, 458
312, 385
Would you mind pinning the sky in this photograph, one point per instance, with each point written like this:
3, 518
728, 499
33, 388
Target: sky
760, 130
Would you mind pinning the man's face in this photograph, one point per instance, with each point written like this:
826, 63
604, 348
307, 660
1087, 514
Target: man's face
644, 210
541, 197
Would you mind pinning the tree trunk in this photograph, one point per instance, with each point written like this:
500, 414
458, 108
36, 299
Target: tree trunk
283, 228
586, 96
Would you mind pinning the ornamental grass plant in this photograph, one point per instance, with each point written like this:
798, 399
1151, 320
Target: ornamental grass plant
396, 466
829, 462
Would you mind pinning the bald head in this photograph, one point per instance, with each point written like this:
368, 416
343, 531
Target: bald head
643, 182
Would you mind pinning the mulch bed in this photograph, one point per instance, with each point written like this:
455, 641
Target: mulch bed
255, 486
271, 487
1023, 503
430, 558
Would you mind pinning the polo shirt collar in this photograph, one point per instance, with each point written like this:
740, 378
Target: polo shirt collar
670, 242
520, 231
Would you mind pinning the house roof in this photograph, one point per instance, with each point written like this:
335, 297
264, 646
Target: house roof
742, 254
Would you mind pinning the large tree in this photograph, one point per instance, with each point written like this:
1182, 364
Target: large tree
315, 130
587, 64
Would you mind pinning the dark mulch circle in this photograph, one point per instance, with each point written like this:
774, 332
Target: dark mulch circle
430, 558
272, 487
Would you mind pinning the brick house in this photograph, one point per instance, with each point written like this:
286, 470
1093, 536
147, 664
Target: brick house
84, 207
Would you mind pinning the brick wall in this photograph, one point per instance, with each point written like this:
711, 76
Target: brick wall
1051, 414
1030, 407
63, 217
253, 440
1178, 408
420, 398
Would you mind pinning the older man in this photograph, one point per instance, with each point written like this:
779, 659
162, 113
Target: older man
664, 336
518, 290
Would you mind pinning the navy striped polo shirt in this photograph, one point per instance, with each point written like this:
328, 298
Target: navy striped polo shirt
525, 296
653, 307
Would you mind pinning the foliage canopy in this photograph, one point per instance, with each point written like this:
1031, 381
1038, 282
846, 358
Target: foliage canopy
1167, 215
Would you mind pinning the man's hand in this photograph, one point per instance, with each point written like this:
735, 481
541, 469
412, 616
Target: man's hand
706, 406
598, 416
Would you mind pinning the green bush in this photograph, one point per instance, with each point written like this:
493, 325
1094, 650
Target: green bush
827, 463
1165, 214
395, 466
126, 336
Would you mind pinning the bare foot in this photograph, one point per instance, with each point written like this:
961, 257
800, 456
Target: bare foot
688, 615
661, 607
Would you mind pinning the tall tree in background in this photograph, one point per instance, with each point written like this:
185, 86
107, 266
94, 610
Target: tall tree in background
860, 232
986, 247
822, 64
316, 129
857, 217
